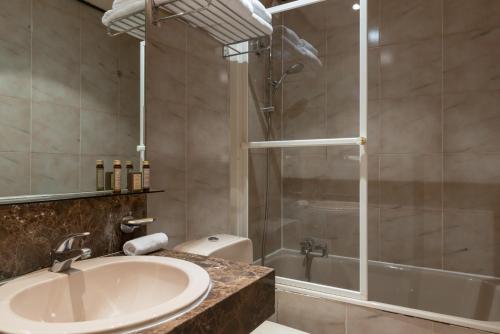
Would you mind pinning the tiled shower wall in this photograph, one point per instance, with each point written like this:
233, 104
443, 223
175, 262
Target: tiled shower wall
69, 94
187, 132
434, 144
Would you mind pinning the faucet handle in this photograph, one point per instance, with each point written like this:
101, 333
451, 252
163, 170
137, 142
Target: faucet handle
66, 243
323, 248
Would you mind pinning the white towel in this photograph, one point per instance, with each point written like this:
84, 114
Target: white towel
145, 245
122, 9
297, 41
243, 19
298, 45
261, 11
238, 17
303, 51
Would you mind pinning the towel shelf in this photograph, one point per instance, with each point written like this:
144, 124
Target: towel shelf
216, 18
132, 24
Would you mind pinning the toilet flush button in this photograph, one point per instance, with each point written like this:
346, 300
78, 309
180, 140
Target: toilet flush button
213, 239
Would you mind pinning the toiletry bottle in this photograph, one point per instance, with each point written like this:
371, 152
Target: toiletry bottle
129, 168
117, 176
109, 181
99, 175
134, 182
146, 176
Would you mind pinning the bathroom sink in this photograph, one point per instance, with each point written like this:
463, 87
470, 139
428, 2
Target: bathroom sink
104, 295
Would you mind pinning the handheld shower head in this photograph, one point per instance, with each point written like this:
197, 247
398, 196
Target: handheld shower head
292, 69
295, 68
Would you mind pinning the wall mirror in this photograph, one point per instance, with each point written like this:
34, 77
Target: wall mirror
69, 95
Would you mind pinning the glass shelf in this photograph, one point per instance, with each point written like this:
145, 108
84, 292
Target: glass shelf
59, 197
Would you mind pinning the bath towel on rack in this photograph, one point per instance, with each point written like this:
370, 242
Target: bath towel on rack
298, 45
127, 16
229, 21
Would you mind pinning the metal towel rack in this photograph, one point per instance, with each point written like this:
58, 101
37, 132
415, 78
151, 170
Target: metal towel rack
133, 24
213, 16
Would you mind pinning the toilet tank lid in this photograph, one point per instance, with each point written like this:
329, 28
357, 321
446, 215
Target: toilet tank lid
208, 245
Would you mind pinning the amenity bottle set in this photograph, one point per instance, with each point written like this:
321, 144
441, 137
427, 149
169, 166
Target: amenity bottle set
136, 181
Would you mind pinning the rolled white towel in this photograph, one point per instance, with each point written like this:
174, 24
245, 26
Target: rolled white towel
146, 244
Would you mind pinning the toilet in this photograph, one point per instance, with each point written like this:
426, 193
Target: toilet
233, 248
224, 246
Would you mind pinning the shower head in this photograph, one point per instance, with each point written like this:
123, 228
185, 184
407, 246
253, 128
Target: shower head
292, 69
295, 68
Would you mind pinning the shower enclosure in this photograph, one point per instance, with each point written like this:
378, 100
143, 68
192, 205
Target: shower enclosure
370, 155
307, 161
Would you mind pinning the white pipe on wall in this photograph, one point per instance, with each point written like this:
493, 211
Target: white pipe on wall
141, 148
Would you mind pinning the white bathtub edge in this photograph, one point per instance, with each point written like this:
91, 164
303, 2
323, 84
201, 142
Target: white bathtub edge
493, 327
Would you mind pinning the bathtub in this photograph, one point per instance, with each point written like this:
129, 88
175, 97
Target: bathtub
457, 298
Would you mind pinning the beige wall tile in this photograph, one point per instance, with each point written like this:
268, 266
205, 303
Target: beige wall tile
470, 61
208, 134
305, 89
410, 20
98, 133
411, 181
411, 125
54, 173
171, 221
166, 123
467, 15
207, 84
304, 123
100, 89
15, 48
411, 236
55, 128
14, 179
166, 82
15, 125
471, 181
363, 320
471, 241
411, 69
471, 122
312, 315
56, 52
127, 136
208, 212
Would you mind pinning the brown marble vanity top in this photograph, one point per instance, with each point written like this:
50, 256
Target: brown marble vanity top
241, 298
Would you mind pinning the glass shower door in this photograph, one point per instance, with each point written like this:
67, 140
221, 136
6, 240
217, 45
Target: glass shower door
306, 149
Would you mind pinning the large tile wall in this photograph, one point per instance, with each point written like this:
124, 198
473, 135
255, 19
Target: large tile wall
69, 94
317, 316
187, 131
432, 128
28, 232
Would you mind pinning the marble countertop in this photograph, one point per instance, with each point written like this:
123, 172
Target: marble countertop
241, 298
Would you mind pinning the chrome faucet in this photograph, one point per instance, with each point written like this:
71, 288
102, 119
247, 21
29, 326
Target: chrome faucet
307, 247
63, 255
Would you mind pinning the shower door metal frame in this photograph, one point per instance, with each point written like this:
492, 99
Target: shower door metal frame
240, 159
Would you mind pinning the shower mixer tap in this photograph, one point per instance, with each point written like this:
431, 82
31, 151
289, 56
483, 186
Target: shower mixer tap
307, 247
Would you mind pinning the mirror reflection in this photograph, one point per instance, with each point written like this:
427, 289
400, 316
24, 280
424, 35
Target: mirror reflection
69, 95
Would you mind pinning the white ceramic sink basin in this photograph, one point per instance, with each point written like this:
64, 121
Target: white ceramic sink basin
104, 295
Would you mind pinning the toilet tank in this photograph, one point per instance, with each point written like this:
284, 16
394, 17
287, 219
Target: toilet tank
225, 246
